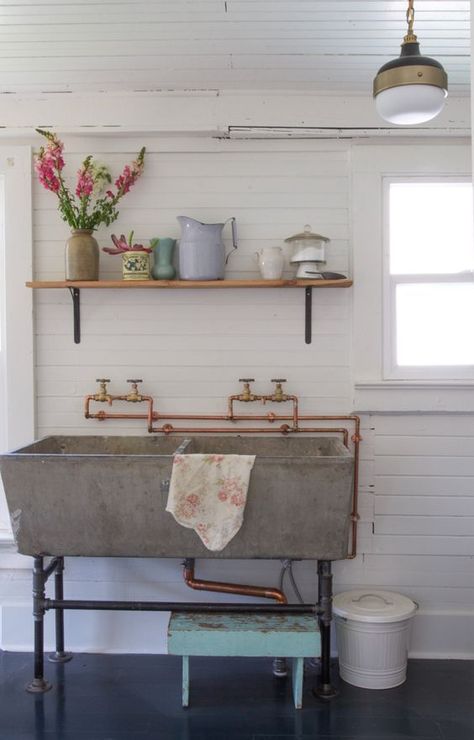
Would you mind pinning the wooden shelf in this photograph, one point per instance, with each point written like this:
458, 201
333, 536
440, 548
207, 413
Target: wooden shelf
176, 284
75, 288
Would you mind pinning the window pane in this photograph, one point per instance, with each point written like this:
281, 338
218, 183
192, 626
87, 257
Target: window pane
434, 324
430, 227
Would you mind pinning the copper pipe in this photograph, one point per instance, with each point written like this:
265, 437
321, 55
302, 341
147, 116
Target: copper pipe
283, 429
103, 415
234, 417
170, 429
356, 439
238, 397
264, 592
293, 399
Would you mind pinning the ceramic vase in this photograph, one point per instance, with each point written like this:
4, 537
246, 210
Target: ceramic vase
82, 256
135, 265
163, 259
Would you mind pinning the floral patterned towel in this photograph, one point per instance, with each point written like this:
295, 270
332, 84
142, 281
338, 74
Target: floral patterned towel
208, 493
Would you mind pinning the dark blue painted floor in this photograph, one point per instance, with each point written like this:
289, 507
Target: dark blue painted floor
136, 697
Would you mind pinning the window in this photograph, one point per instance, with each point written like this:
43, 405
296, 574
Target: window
413, 279
429, 285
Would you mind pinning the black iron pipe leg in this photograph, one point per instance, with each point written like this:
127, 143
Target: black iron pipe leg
308, 309
38, 685
76, 309
325, 689
59, 656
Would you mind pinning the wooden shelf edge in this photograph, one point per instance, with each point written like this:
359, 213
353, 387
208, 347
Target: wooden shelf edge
180, 284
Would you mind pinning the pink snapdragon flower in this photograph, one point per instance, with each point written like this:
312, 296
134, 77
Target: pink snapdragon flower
49, 162
46, 174
85, 181
130, 174
86, 207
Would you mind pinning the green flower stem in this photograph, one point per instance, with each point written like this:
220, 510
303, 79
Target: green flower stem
70, 211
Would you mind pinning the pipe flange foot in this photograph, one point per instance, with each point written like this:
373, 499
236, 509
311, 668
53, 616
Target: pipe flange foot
38, 686
61, 657
325, 691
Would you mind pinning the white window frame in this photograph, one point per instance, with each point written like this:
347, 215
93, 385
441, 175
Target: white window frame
17, 401
371, 165
391, 370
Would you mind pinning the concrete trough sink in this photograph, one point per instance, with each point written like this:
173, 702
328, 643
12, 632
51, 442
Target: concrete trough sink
106, 496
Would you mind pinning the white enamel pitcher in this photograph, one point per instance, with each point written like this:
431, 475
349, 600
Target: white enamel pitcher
202, 250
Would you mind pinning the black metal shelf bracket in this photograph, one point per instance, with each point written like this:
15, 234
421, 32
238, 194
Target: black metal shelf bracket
308, 314
76, 308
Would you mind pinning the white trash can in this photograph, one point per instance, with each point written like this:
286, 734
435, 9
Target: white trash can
372, 630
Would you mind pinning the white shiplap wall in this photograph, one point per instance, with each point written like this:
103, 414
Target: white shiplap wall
417, 476
190, 347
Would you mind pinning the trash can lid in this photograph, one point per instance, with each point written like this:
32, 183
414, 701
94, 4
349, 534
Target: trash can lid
373, 606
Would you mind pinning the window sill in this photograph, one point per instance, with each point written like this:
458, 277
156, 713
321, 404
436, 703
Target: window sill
406, 397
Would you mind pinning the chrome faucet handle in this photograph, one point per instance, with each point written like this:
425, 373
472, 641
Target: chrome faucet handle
278, 380
246, 380
134, 380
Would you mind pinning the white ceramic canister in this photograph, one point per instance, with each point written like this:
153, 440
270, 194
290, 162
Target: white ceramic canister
270, 261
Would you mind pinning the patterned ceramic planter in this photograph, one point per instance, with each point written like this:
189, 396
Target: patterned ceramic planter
136, 265
82, 256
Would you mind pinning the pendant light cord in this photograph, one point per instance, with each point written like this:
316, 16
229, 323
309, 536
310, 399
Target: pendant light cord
410, 15
410, 36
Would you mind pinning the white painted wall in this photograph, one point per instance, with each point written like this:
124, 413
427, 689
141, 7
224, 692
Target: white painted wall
191, 347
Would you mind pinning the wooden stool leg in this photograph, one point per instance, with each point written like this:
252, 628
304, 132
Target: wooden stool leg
297, 678
185, 681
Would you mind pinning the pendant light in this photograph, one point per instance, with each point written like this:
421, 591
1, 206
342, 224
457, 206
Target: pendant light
412, 88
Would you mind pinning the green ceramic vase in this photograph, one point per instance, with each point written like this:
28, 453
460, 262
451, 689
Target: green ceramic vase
162, 258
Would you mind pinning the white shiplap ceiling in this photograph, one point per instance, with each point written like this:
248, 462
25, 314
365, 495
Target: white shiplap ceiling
72, 45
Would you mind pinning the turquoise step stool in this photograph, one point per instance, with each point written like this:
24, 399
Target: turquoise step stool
245, 635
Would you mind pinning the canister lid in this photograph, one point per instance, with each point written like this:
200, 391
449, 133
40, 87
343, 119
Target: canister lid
373, 606
307, 234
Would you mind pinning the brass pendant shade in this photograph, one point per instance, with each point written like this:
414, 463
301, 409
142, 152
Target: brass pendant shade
411, 88
410, 68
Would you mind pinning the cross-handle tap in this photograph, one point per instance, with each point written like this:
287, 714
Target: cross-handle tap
102, 395
134, 396
246, 395
278, 396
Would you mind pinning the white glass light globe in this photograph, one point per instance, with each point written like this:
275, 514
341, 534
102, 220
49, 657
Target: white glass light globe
406, 105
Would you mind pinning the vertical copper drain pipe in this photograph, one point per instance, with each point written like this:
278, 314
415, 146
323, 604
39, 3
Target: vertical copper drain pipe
263, 592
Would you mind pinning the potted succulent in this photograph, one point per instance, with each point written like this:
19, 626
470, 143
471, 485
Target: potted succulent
89, 206
135, 257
